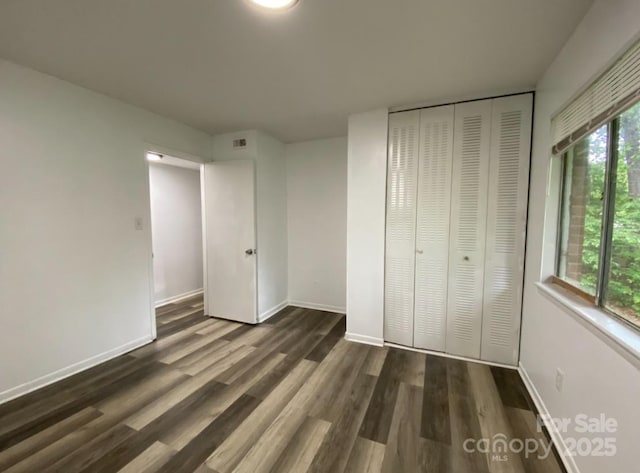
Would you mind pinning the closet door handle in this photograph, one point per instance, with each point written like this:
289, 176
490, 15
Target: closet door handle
419, 251
466, 258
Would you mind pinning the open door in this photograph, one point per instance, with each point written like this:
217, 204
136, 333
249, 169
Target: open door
228, 192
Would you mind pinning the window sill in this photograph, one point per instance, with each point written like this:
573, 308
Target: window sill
617, 334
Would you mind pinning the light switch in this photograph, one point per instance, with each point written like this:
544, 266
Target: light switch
137, 223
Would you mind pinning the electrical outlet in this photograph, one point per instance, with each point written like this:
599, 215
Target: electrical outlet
559, 379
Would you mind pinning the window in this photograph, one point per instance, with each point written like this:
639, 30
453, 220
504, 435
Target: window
599, 244
582, 208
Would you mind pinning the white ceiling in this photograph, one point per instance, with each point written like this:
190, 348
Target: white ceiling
225, 65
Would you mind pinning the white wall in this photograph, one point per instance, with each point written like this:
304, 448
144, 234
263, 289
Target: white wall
366, 207
176, 228
271, 209
317, 223
271, 183
74, 273
598, 379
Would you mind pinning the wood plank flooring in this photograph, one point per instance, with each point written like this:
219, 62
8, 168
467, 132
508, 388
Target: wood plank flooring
290, 395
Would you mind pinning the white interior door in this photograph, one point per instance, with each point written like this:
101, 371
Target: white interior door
468, 227
506, 227
402, 179
230, 239
432, 232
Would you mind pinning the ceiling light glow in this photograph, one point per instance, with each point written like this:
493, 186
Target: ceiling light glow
154, 156
275, 4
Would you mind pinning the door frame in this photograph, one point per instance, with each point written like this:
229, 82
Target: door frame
159, 149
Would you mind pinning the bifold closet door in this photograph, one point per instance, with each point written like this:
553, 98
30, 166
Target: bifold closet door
402, 178
469, 187
506, 228
432, 227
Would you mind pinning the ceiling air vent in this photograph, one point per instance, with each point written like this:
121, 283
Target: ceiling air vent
240, 143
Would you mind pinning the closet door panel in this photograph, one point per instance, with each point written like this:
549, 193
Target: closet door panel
402, 179
432, 232
506, 227
468, 227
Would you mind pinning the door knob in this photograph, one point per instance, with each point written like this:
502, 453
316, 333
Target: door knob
249, 252
466, 258
419, 252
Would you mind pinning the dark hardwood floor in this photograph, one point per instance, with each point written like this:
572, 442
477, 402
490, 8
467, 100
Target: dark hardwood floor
290, 395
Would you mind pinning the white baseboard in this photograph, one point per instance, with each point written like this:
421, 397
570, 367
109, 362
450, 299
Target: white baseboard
75, 368
367, 340
271, 312
323, 307
179, 297
568, 461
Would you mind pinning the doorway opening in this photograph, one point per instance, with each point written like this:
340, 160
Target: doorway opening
177, 242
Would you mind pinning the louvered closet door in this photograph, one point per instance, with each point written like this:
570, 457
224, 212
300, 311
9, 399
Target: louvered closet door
506, 227
468, 227
432, 232
402, 177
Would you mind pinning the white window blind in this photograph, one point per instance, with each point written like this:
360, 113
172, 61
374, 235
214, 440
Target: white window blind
615, 90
